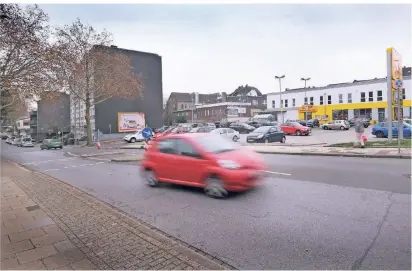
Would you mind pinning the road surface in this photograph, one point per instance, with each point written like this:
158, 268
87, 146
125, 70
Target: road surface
312, 213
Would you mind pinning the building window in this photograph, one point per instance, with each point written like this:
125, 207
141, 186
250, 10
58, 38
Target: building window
349, 98
293, 102
311, 100
264, 102
321, 100
181, 106
341, 98
379, 96
281, 103
329, 99
273, 104
340, 114
403, 94
254, 102
363, 113
370, 96
362, 97
286, 103
306, 100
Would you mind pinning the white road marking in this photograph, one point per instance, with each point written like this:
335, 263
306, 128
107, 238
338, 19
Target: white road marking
69, 153
53, 169
277, 173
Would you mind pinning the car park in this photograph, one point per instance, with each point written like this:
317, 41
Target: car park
228, 133
336, 125
208, 161
380, 130
242, 128
51, 143
295, 128
266, 134
202, 129
136, 136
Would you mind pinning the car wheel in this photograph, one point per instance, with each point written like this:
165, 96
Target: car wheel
325, 127
214, 188
133, 140
379, 134
235, 138
283, 139
266, 140
342, 128
298, 133
150, 178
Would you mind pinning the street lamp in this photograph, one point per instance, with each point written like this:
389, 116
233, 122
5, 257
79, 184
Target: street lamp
280, 96
306, 98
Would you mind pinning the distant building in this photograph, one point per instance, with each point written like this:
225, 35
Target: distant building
104, 115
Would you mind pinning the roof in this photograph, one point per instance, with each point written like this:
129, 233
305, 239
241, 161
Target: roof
244, 90
113, 47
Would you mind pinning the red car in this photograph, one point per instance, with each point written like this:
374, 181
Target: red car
202, 160
295, 128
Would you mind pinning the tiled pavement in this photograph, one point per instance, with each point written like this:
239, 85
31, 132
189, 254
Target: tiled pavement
46, 224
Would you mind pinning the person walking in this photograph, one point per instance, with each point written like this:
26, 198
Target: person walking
359, 129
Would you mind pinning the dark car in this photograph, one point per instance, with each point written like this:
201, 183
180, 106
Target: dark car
203, 129
242, 128
254, 124
366, 122
52, 143
68, 139
313, 123
270, 123
266, 134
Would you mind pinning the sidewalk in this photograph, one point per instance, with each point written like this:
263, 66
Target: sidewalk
47, 224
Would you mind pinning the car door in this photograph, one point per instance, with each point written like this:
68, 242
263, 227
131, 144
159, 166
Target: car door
406, 130
230, 133
274, 134
191, 163
223, 132
395, 128
164, 159
286, 128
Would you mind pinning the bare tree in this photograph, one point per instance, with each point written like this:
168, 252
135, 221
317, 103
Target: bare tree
86, 67
23, 47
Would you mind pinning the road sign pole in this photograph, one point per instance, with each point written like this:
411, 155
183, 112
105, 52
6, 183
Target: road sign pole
389, 92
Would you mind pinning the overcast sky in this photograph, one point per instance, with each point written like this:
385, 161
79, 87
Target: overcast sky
215, 48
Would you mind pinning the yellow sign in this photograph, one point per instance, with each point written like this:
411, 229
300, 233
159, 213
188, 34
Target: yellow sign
307, 108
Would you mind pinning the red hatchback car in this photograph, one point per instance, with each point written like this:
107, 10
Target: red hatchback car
202, 160
295, 128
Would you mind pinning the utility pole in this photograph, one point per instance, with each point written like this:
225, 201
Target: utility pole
280, 96
306, 98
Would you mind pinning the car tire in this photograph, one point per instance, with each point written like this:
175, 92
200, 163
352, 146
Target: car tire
325, 128
298, 133
150, 178
283, 139
379, 134
235, 138
214, 188
266, 140
132, 140
342, 128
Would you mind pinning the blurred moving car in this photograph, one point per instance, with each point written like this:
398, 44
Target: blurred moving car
336, 125
202, 129
51, 143
366, 122
380, 130
228, 133
26, 142
295, 128
242, 128
132, 138
266, 134
202, 160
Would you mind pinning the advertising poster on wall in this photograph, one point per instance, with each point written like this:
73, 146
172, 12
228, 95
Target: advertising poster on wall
130, 121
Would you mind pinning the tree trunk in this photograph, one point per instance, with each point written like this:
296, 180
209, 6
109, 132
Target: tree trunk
88, 125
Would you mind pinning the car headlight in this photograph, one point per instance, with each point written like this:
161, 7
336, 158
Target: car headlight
259, 136
228, 164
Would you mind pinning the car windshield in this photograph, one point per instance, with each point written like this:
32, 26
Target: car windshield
215, 144
27, 139
262, 129
297, 124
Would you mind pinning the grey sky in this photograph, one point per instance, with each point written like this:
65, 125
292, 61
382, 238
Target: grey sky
209, 48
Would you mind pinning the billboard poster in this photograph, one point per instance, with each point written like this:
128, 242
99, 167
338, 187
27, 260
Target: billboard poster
397, 78
130, 121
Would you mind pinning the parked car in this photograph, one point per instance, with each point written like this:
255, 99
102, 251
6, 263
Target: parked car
68, 139
302, 122
132, 138
366, 122
161, 129
295, 128
176, 130
26, 142
336, 125
408, 121
242, 128
380, 130
270, 123
313, 123
4, 136
9, 140
211, 125
266, 134
202, 129
17, 141
208, 161
228, 133
51, 143
254, 124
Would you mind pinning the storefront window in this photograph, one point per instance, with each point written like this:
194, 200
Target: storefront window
363, 113
340, 114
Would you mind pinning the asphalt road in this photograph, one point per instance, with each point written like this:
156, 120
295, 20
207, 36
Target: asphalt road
312, 213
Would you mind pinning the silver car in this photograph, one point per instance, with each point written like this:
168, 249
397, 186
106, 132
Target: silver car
336, 125
228, 133
26, 142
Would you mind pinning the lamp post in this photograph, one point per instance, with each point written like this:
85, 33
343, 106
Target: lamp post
306, 98
280, 96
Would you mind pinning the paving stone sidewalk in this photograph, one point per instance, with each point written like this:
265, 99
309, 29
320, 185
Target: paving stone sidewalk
47, 224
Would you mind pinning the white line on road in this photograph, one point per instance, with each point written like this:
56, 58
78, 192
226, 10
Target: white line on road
277, 173
53, 169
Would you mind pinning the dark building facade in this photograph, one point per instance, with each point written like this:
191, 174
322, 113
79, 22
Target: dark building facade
151, 103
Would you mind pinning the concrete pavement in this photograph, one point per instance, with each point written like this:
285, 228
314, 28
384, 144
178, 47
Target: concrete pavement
313, 212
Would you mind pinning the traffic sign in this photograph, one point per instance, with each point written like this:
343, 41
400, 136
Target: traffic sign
398, 83
147, 133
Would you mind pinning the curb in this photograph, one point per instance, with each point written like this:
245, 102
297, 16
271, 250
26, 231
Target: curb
184, 248
136, 159
339, 155
132, 147
99, 154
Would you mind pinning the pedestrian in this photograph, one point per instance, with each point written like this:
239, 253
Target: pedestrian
359, 129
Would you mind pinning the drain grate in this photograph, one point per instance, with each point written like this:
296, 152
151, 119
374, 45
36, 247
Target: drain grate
32, 208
